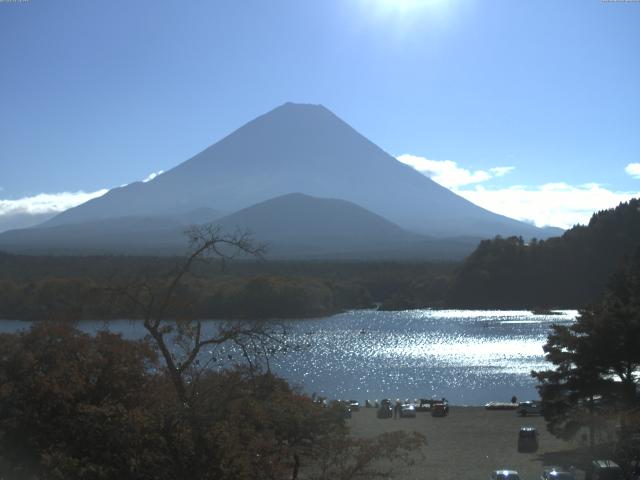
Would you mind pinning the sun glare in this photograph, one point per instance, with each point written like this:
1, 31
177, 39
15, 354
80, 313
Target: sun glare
403, 13
401, 7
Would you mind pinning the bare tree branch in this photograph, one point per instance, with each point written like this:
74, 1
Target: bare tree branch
204, 241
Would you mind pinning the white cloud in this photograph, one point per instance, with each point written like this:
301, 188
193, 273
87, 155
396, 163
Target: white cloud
552, 204
153, 175
447, 172
557, 204
500, 171
46, 202
633, 169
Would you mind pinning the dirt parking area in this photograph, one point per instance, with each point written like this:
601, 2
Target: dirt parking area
471, 442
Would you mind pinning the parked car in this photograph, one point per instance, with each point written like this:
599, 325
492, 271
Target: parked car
504, 475
557, 473
604, 470
440, 410
500, 406
385, 410
354, 405
528, 439
407, 410
342, 406
424, 405
529, 408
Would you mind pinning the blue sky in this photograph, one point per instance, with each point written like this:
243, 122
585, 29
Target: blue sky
532, 107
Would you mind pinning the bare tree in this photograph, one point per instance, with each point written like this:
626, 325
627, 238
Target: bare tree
155, 302
304, 429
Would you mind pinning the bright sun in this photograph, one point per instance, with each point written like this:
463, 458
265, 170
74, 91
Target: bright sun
403, 10
402, 6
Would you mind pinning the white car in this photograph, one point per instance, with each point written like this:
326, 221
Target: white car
505, 475
407, 410
557, 473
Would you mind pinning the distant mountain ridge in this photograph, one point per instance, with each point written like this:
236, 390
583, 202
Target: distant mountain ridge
293, 226
161, 234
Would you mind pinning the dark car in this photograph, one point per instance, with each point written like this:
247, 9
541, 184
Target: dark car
528, 439
529, 408
424, 405
342, 407
604, 470
439, 410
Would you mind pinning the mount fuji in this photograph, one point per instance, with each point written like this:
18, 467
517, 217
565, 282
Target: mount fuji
295, 148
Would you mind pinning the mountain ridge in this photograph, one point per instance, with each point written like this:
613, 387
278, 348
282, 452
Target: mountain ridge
293, 225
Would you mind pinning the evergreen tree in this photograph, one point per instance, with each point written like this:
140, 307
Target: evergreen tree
597, 360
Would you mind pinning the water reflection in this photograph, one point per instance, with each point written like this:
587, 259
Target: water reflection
469, 356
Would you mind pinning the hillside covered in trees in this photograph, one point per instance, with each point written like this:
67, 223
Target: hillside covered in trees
82, 287
567, 271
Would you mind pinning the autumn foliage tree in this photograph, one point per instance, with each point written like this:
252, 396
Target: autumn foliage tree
74, 405
94, 407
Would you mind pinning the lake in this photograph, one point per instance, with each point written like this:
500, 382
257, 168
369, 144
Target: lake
468, 356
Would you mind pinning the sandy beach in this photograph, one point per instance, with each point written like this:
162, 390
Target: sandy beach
470, 443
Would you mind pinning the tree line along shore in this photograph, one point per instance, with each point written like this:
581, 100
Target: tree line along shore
570, 271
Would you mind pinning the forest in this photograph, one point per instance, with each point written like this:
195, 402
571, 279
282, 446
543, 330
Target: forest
568, 271
563, 272
55, 287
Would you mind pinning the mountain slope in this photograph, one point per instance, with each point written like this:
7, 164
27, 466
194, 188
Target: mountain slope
307, 149
301, 218
301, 226
23, 220
129, 234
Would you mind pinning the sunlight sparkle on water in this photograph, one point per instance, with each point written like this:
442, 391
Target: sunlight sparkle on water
469, 356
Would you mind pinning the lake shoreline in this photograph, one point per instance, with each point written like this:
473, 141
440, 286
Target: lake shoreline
559, 311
